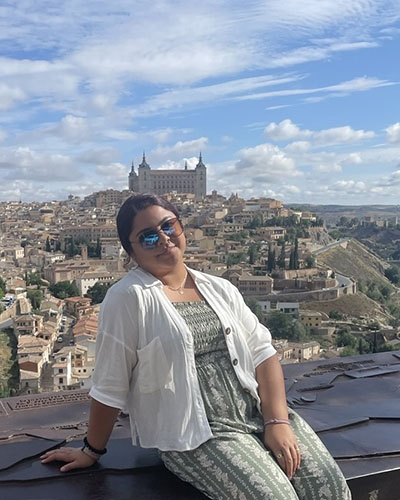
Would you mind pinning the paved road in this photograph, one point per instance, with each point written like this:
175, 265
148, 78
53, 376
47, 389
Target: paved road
330, 245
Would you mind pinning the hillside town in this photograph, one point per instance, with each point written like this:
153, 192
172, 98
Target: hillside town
57, 260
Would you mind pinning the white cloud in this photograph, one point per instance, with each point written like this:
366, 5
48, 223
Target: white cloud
328, 168
180, 149
181, 97
350, 186
3, 135
292, 189
393, 133
298, 147
115, 171
179, 165
25, 163
73, 129
284, 131
103, 156
9, 96
340, 135
265, 163
287, 130
353, 158
121, 135
360, 84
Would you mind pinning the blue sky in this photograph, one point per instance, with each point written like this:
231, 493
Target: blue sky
299, 101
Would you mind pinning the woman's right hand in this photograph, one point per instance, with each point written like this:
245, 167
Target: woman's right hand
74, 458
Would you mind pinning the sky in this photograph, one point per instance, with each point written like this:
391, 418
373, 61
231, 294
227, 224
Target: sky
298, 101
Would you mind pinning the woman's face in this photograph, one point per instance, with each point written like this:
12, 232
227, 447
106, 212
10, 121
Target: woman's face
169, 250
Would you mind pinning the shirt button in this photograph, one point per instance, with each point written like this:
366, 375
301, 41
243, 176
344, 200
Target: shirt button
228, 331
235, 362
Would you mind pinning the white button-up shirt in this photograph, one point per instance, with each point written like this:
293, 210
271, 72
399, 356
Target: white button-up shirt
145, 362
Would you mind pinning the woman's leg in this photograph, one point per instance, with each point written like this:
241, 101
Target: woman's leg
232, 466
319, 477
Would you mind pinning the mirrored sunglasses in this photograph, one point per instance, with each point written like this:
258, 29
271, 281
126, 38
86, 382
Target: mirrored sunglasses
149, 239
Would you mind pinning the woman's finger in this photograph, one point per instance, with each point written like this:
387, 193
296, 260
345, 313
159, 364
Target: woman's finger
295, 460
61, 455
285, 461
70, 466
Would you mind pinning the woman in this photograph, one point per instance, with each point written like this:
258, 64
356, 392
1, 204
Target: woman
181, 352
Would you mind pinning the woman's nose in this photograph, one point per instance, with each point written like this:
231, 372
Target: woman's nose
163, 238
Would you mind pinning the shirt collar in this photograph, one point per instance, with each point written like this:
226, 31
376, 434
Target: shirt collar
148, 280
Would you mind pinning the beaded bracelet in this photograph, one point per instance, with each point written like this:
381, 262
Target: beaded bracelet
276, 421
93, 450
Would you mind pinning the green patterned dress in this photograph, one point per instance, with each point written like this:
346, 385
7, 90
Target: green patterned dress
234, 464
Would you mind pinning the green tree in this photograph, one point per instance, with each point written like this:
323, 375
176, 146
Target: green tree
296, 254
386, 347
282, 255
300, 333
35, 297
255, 223
392, 273
234, 259
346, 339
386, 291
34, 279
291, 259
98, 248
64, 289
309, 261
348, 351
280, 324
335, 315
2, 288
363, 346
271, 259
253, 253
97, 292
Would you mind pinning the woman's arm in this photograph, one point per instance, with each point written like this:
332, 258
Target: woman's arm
278, 437
101, 423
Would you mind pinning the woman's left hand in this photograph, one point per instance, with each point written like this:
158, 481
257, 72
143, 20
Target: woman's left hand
280, 439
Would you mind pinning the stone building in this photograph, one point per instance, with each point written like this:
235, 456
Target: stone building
164, 181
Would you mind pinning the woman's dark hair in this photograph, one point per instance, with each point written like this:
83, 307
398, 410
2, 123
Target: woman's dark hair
129, 210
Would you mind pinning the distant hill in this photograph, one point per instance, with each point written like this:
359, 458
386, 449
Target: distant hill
331, 213
356, 261
356, 306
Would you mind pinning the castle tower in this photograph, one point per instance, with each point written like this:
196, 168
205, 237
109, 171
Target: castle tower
84, 252
201, 178
133, 181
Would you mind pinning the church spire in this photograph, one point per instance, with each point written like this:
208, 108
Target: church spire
200, 163
144, 162
132, 167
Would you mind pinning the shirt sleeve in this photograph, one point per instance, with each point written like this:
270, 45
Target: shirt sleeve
116, 346
258, 337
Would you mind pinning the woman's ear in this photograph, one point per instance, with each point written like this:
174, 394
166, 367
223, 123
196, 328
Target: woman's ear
129, 261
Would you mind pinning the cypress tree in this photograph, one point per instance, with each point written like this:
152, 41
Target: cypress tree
296, 254
281, 260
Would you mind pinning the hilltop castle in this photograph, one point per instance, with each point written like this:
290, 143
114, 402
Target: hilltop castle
165, 181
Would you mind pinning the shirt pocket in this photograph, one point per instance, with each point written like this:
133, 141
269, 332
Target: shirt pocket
154, 372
